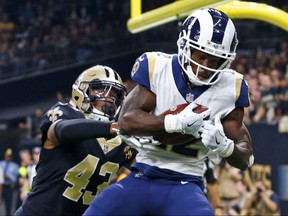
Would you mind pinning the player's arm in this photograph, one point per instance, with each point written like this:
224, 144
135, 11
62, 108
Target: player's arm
65, 132
134, 118
229, 138
235, 130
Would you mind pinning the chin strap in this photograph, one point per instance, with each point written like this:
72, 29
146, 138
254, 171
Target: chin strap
108, 109
106, 114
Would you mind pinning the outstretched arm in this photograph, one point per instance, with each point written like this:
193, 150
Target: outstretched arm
64, 132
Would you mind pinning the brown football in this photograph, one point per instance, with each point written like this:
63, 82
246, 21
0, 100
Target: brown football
178, 138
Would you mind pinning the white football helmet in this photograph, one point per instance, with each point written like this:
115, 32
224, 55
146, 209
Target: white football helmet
210, 31
100, 80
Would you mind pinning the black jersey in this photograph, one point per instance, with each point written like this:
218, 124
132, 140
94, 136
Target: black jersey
69, 177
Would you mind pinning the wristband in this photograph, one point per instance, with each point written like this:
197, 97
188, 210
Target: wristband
228, 150
169, 123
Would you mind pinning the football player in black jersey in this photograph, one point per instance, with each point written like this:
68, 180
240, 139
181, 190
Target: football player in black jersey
80, 148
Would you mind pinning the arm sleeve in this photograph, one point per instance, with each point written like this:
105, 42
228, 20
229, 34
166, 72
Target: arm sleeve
71, 131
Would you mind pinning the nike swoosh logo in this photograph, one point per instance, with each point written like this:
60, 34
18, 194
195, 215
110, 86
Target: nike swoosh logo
217, 142
189, 125
184, 182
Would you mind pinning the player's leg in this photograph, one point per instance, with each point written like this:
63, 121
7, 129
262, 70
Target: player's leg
180, 198
126, 197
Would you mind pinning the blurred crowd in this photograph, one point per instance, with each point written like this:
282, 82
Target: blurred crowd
267, 77
39, 35
17, 177
36, 35
241, 197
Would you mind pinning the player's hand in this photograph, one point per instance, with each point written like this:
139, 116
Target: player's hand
130, 140
114, 129
138, 142
186, 122
148, 141
213, 136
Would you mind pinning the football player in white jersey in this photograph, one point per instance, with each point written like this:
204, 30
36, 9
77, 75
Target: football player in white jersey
167, 179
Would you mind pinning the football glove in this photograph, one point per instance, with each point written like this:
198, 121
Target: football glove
186, 122
138, 142
213, 137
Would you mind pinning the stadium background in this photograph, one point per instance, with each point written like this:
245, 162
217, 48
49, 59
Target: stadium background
24, 88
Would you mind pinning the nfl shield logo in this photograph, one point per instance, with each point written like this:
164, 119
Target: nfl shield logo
189, 97
105, 148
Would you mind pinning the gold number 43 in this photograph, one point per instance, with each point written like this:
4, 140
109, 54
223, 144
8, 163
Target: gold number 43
79, 177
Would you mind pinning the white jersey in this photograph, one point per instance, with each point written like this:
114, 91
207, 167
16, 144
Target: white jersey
162, 74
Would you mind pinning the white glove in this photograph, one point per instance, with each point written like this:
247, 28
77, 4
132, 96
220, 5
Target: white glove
135, 142
186, 122
130, 140
148, 141
213, 136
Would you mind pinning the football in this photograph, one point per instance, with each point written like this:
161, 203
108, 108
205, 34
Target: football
199, 109
178, 138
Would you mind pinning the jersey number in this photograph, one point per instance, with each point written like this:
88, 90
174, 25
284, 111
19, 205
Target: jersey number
79, 177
